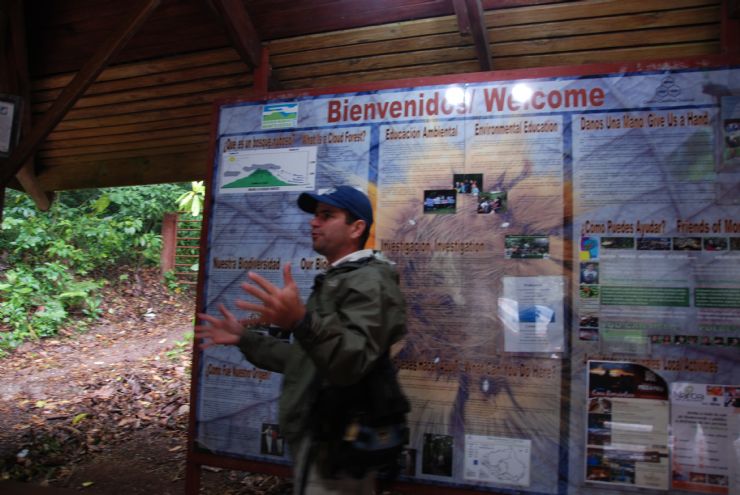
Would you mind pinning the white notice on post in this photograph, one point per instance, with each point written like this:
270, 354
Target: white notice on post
531, 311
498, 459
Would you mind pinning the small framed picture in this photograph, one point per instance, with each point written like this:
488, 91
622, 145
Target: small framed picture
10, 119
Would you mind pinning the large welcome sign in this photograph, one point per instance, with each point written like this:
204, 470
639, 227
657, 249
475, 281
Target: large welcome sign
569, 249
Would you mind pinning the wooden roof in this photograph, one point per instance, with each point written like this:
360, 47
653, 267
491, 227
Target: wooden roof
121, 93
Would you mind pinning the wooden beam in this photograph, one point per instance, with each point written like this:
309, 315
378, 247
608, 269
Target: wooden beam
21, 84
239, 28
76, 88
734, 9
126, 152
180, 164
2, 202
730, 38
471, 21
262, 74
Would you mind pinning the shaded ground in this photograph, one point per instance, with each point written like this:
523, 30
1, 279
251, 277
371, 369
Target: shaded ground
105, 411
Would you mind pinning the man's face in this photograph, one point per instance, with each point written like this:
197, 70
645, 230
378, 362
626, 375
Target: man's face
330, 233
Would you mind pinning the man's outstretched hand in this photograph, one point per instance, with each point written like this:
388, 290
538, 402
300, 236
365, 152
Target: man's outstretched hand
219, 331
279, 306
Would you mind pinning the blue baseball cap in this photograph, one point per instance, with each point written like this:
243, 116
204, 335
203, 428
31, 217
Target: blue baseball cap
345, 197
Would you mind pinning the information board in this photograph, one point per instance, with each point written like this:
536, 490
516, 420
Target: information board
569, 249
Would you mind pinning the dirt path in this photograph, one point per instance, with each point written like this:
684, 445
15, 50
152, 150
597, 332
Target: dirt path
105, 411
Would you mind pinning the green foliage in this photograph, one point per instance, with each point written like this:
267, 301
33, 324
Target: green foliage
192, 200
181, 347
171, 282
49, 261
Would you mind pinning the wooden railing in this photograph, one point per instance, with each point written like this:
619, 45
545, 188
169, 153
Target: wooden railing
181, 246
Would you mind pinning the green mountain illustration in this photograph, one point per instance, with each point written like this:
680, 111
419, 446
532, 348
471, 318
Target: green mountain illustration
259, 178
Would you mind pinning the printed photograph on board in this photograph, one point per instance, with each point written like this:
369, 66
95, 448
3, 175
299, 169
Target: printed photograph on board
468, 183
436, 457
526, 246
440, 201
492, 202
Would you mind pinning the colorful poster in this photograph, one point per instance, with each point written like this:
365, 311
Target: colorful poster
537, 226
704, 437
626, 426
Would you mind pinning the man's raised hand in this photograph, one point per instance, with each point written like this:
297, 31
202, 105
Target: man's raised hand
279, 306
226, 330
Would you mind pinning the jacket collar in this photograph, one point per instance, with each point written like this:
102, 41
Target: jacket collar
356, 256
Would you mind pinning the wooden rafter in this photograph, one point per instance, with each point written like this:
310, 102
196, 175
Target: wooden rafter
76, 88
240, 30
246, 40
730, 30
471, 22
734, 9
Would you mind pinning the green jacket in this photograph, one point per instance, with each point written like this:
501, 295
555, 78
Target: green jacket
353, 317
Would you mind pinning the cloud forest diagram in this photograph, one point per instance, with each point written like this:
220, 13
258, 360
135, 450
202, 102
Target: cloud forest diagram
291, 169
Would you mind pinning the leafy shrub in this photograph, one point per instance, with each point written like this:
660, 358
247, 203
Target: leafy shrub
52, 263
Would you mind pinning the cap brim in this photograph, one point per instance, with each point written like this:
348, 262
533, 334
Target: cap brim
308, 202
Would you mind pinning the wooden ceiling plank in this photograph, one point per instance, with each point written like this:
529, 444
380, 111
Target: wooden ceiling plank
81, 151
422, 70
182, 166
505, 4
150, 67
661, 52
77, 87
336, 15
127, 153
240, 30
577, 10
526, 33
426, 42
651, 37
138, 127
163, 115
156, 91
634, 54
133, 137
376, 63
163, 103
685, 17
386, 32
150, 80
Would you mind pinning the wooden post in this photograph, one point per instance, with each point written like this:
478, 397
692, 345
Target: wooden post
730, 27
2, 202
192, 474
169, 242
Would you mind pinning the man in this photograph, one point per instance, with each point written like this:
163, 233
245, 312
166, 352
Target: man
345, 330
